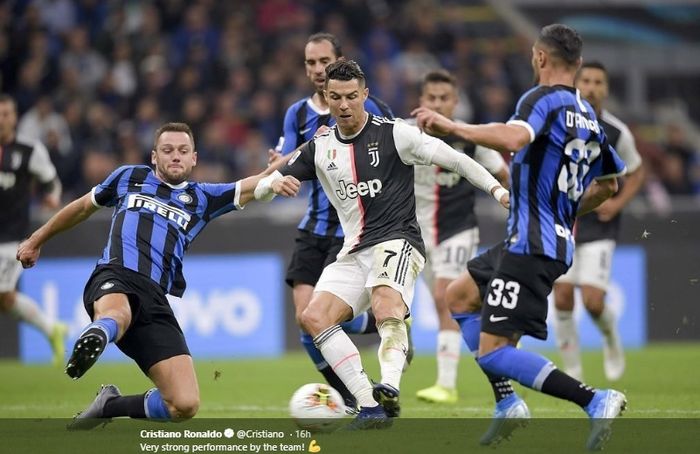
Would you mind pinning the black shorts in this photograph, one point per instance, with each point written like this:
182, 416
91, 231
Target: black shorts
312, 253
514, 290
154, 334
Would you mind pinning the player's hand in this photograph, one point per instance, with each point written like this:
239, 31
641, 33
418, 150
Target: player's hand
505, 200
28, 253
273, 156
321, 130
432, 122
607, 210
287, 186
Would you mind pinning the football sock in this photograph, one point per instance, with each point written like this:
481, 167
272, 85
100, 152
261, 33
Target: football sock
106, 328
155, 407
448, 346
605, 321
536, 372
558, 384
343, 357
307, 341
567, 341
392, 350
364, 323
322, 366
27, 310
470, 324
131, 406
501, 386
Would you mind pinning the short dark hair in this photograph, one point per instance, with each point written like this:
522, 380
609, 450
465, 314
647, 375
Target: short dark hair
345, 70
563, 42
323, 36
4, 97
439, 76
593, 64
173, 127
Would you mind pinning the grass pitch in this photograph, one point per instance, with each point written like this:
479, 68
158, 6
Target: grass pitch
661, 381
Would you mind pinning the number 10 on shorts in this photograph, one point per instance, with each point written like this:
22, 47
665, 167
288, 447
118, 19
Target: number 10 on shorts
503, 293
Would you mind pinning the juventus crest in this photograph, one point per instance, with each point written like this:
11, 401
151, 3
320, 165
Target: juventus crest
373, 151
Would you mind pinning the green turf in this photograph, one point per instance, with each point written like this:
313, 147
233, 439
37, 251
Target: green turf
660, 382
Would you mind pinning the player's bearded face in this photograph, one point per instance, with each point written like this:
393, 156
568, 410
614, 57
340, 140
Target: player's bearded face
317, 56
440, 97
174, 157
593, 84
346, 101
8, 119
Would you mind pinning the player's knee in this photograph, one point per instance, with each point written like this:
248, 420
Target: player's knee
312, 321
387, 303
462, 296
564, 297
594, 303
7, 300
185, 407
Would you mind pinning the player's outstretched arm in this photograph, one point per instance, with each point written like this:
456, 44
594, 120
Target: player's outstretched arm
596, 193
69, 216
452, 160
275, 184
506, 138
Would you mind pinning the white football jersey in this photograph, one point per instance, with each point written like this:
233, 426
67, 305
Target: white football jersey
369, 179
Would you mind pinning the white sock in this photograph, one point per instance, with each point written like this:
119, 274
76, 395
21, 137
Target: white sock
567, 342
27, 310
344, 358
449, 343
606, 322
392, 350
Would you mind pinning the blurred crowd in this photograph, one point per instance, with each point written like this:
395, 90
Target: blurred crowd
94, 79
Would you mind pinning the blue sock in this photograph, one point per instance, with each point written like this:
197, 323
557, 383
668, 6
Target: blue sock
106, 325
470, 324
314, 353
155, 407
527, 368
357, 325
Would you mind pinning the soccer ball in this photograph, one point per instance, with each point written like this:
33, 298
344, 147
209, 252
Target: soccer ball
317, 407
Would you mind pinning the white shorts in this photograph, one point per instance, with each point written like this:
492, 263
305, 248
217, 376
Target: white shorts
394, 263
592, 265
10, 267
449, 259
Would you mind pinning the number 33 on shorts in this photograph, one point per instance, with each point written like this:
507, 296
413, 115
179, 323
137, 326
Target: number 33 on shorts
503, 293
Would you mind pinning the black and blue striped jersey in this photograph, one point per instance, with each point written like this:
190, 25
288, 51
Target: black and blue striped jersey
302, 120
567, 150
154, 223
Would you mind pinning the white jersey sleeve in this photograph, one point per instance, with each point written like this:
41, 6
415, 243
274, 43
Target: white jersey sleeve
491, 160
40, 163
627, 150
415, 147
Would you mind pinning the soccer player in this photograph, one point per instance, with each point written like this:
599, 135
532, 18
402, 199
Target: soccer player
320, 234
21, 163
365, 164
563, 165
445, 212
157, 215
596, 235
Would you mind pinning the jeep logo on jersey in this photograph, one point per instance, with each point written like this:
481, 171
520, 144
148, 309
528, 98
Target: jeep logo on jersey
363, 188
176, 215
373, 150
